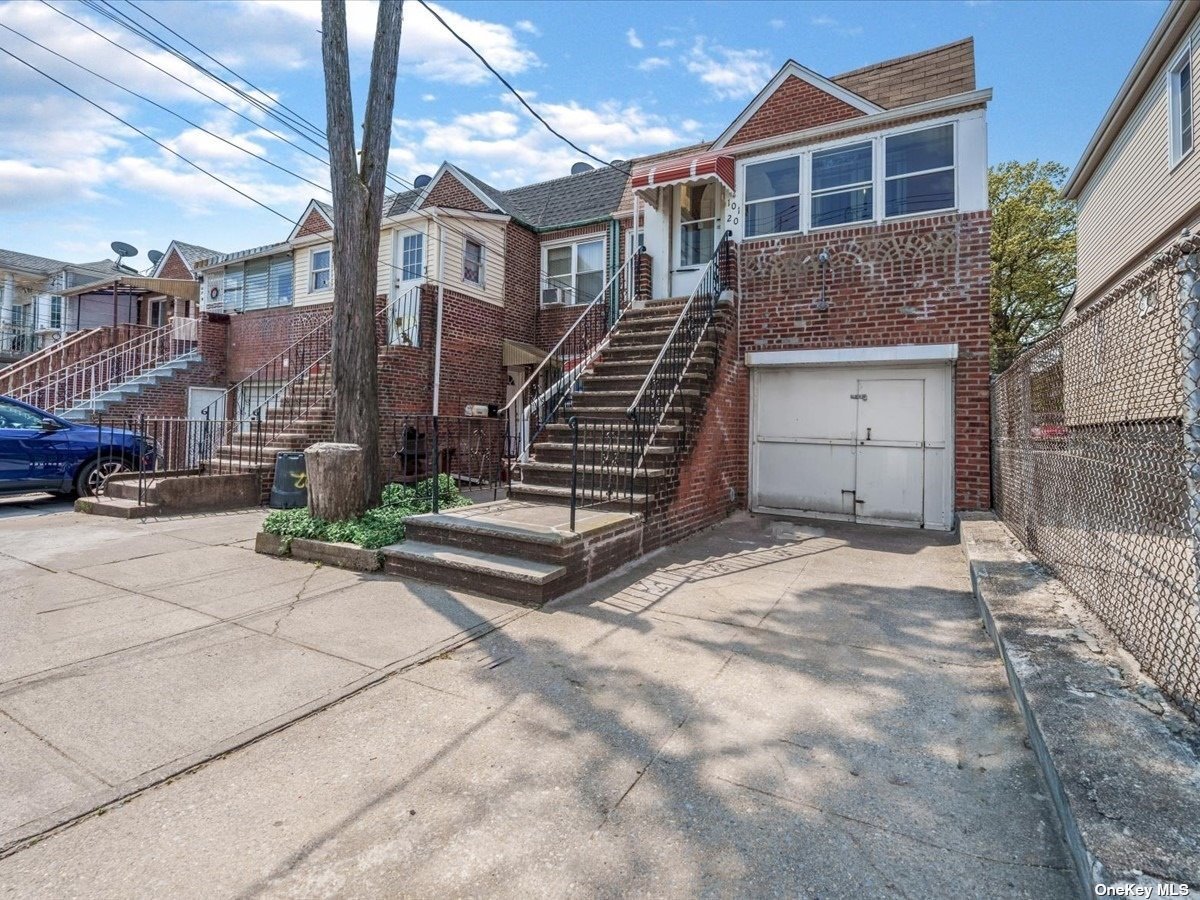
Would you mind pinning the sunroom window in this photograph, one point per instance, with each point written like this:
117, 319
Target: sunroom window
841, 185
919, 171
773, 196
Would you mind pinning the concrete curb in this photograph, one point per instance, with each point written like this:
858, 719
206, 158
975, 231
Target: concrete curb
97, 804
1121, 765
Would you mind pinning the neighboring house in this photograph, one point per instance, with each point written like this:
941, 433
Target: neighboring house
1137, 185
848, 377
34, 311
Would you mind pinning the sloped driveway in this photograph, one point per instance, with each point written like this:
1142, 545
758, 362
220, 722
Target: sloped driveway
763, 710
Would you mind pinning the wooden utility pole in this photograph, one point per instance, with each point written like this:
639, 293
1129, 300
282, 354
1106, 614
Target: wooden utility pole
357, 179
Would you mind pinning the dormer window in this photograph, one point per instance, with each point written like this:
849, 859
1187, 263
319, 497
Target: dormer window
1181, 106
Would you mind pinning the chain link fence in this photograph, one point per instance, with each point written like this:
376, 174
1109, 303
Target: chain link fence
1096, 463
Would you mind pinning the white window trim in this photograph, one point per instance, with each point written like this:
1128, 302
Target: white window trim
1175, 155
718, 214
312, 269
845, 188
483, 254
878, 178
404, 276
953, 167
544, 276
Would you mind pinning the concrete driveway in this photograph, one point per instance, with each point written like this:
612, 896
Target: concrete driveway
764, 710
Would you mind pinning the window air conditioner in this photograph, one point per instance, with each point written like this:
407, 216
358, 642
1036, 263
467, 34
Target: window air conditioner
551, 295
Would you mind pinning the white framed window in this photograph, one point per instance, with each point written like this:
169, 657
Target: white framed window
56, 312
473, 261
412, 257
773, 196
697, 224
281, 281
919, 171
842, 186
576, 269
231, 290
320, 270
1182, 94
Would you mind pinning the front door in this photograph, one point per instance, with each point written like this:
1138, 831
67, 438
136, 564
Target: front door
697, 208
890, 462
206, 424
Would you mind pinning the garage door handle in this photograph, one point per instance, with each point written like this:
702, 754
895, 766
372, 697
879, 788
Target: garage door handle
868, 434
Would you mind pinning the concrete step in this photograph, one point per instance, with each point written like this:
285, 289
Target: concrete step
618, 414
632, 382
616, 478
115, 507
525, 581
547, 452
642, 351
588, 398
560, 432
121, 489
554, 494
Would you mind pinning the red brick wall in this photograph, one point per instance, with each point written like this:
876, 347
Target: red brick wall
521, 264
920, 281
314, 224
795, 105
259, 336
453, 194
175, 267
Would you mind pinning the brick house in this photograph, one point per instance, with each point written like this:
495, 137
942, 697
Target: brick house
826, 258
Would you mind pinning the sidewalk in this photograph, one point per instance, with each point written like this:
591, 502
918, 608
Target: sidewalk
762, 710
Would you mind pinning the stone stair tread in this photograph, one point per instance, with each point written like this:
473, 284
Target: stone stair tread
550, 490
566, 446
528, 523
478, 562
566, 467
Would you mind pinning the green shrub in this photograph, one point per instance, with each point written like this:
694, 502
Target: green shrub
377, 527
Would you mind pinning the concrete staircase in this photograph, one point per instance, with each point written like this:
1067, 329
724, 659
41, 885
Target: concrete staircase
97, 405
523, 549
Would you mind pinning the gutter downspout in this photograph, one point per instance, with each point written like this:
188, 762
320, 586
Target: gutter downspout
437, 340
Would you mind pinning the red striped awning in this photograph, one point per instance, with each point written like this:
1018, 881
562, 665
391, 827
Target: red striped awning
688, 168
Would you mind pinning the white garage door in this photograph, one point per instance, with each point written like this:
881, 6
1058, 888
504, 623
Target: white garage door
861, 443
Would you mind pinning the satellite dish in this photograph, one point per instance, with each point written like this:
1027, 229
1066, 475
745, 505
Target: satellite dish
123, 250
579, 168
420, 181
154, 255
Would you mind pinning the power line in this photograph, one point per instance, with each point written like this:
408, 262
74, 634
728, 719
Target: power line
128, 124
512, 90
165, 109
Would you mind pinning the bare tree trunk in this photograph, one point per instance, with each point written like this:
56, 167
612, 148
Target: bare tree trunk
357, 185
335, 474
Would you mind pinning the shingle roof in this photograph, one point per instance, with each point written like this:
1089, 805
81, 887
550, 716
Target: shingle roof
220, 259
397, 204
27, 262
193, 253
561, 201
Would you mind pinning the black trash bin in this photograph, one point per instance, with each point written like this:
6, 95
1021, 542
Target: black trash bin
290, 490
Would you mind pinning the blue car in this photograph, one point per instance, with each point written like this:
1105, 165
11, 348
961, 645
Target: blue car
41, 452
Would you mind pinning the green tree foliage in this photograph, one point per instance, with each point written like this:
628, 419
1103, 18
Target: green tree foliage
1033, 254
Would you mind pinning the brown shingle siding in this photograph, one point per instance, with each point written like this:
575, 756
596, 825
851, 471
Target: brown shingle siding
940, 72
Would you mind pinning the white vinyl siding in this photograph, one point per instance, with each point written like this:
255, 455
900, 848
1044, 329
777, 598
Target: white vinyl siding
1136, 200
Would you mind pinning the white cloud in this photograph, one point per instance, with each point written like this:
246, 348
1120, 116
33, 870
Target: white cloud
777, 24
528, 27
667, 43
427, 49
428, 98
634, 41
834, 25
650, 63
507, 148
729, 73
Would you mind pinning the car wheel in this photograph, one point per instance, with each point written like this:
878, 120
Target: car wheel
94, 472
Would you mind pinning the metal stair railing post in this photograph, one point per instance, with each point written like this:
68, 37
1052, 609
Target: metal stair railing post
437, 468
574, 424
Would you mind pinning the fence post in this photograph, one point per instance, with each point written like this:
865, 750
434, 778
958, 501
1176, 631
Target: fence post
437, 467
574, 423
1188, 270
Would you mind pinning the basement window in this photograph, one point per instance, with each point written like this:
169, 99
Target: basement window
1181, 106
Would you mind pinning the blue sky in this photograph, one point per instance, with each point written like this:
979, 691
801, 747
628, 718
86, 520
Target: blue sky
619, 78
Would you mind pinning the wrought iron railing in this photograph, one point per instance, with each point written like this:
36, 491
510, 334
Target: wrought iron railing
656, 397
44, 362
404, 319
81, 384
538, 401
418, 450
603, 465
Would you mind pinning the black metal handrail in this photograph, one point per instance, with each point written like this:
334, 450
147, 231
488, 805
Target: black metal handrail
602, 464
662, 383
539, 400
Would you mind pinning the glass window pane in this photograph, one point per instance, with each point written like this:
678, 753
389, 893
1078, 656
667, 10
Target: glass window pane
773, 179
320, 259
772, 216
591, 256
587, 286
917, 151
696, 244
18, 418
281, 280
846, 165
558, 261
842, 207
697, 202
921, 193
